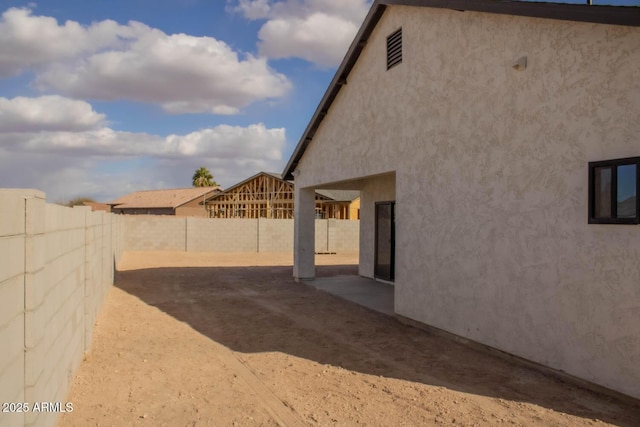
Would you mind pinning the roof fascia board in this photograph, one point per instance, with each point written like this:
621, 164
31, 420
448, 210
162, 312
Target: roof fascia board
614, 15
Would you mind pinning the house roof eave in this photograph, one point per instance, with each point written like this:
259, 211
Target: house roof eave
148, 199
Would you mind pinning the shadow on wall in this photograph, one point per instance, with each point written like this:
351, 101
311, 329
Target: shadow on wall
261, 309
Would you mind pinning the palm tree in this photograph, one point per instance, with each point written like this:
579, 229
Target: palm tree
203, 178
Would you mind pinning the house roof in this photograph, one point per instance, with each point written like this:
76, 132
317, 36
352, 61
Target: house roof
613, 15
339, 195
96, 206
161, 198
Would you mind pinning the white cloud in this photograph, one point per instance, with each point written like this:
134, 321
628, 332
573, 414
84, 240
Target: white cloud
184, 74
222, 142
28, 41
108, 61
47, 113
254, 9
106, 164
308, 38
319, 31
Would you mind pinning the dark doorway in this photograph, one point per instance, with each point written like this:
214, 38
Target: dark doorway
385, 241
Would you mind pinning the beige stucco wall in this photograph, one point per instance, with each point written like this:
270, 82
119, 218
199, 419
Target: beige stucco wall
375, 189
491, 180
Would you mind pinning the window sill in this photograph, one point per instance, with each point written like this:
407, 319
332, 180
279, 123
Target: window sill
621, 221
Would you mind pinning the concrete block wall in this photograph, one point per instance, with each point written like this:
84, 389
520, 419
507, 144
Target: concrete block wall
322, 236
222, 235
54, 303
155, 233
100, 260
275, 235
343, 236
56, 265
334, 235
169, 233
12, 263
118, 239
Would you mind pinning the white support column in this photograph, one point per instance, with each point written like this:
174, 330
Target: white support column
304, 234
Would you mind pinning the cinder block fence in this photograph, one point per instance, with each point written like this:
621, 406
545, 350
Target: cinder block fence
169, 233
56, 265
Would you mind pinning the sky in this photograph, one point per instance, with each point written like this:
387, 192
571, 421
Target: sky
100, 98
104, 97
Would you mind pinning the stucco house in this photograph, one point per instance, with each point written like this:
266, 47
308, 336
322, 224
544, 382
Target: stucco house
177, 201
496, 146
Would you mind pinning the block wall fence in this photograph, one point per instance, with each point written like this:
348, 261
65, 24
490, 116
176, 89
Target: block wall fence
57, 264
188, 234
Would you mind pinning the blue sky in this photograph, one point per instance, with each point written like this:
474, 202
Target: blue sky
101, 98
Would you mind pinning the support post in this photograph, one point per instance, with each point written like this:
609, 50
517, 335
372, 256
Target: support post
304, 234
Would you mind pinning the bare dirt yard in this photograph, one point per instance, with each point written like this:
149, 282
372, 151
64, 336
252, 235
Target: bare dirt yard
228, 339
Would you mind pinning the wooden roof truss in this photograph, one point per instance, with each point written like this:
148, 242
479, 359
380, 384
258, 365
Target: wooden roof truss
266, 196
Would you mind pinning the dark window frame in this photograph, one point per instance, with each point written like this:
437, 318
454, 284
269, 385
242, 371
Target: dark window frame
392, 249
613, 164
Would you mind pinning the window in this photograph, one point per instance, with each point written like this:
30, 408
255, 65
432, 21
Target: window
394, 49
613, 191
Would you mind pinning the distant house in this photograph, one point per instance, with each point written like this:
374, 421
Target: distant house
337, 204
178, 202
496, 148
96, 206
267, 195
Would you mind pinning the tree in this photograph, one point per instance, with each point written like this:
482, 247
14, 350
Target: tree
203, 178
79, 201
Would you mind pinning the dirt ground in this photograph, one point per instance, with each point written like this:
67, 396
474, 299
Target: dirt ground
228, 339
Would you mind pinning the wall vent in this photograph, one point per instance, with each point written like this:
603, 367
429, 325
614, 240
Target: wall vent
394, 49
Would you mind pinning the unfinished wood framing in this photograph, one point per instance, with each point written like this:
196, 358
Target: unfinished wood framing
263, 196
326, 208
267, 196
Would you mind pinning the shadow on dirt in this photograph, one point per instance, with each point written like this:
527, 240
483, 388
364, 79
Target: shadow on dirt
262, 309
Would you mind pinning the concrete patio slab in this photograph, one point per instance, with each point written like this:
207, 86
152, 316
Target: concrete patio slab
377, 296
